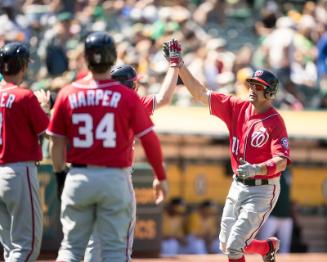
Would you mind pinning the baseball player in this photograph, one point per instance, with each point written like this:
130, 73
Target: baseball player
93, 126
127, 76
259, 152
22, 120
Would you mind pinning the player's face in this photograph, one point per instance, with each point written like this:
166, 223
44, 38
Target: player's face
256, 93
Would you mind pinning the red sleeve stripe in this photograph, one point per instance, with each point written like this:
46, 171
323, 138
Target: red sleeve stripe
48, 132
144, 132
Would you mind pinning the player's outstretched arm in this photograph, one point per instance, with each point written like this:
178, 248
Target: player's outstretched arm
168, 87
58, 152
197, 90
152, 149
172, 50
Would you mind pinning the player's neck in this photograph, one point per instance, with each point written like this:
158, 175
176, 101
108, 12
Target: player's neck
103, 76
15, 80
259, 108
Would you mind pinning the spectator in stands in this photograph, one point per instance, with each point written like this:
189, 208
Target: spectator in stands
322, 62
202, 229
57, 45
297, 244
212, 11
241, 87
173, 227
280, 222
52, 33
279, 49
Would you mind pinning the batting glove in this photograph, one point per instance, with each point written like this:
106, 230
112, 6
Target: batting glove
173, 53
165, 50
247, 170
160, 190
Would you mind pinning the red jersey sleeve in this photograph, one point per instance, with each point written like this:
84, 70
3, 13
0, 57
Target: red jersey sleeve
149, 102
279, 141
222, 106
57, 125
38, 118
141, 123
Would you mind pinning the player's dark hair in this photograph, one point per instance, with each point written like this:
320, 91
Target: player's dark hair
100, 52
14, 56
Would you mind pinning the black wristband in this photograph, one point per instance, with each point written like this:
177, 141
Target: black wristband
61, 176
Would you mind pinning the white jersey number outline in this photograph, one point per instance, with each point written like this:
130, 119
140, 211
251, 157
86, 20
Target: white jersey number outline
104, 130
235, 145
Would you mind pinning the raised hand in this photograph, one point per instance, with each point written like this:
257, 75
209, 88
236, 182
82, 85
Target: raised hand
44, 99
172, 51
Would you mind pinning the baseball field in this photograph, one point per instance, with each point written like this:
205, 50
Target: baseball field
313, 257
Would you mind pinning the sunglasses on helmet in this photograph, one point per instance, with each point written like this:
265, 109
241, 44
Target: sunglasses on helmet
257, 86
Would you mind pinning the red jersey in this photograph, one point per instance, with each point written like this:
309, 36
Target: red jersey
149, 102
21, 121
254, 137
100, 120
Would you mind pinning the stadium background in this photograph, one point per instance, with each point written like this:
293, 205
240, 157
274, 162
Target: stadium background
195, 144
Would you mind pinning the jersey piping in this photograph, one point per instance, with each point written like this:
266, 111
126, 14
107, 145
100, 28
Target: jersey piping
94, 85
144, 132
247, 135
53, 134
154, 104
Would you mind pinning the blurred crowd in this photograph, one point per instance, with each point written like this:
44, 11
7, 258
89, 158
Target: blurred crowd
223, 41
190, 229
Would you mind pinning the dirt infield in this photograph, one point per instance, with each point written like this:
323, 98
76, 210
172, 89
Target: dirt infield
313, 257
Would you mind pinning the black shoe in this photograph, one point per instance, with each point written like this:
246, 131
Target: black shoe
273, 243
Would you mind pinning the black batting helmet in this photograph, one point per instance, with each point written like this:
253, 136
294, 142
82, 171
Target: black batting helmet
267, 79
14, 57
100, 51
125, 74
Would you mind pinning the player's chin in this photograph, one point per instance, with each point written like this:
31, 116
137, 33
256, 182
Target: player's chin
252, 98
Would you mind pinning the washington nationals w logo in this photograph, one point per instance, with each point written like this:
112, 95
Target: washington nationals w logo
259, 137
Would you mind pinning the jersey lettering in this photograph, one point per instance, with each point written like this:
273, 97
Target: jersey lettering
6, 101
235, 145
84, 130
104, 130
96, 97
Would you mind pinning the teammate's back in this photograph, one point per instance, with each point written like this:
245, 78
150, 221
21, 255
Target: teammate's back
21, 122
94, 123
102, 118
22, 119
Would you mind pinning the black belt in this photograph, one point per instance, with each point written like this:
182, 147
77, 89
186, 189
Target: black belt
79, 165
252, 182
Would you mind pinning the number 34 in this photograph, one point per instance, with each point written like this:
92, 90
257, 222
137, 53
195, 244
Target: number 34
104, 130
